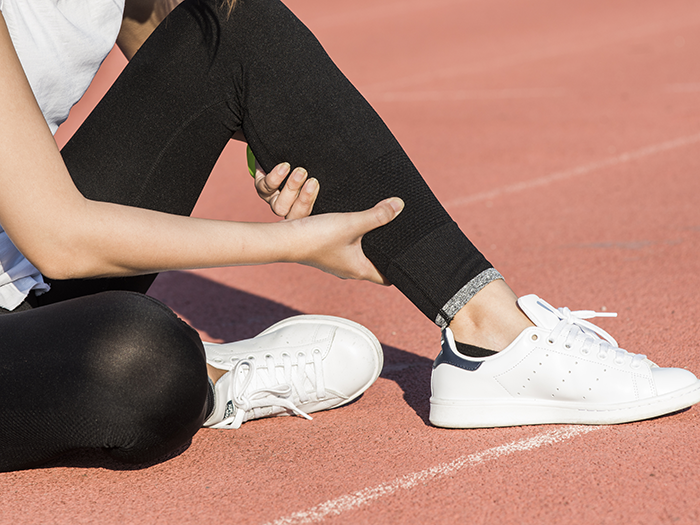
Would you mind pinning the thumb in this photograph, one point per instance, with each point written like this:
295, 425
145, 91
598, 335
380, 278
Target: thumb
384, 212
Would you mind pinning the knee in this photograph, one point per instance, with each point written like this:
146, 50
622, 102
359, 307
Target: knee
151, 369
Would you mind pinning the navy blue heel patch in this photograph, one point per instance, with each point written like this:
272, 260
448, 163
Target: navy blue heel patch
449, 357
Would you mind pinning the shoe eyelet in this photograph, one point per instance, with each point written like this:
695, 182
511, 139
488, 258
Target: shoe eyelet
585, 352
550, 341
534, 337
567, 346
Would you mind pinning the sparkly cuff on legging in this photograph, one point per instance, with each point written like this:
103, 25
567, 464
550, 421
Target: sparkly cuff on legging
464, 295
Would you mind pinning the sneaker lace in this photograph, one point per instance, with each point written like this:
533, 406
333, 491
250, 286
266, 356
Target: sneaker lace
275, 391
586, 337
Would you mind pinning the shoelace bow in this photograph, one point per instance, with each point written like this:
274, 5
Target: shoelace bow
273, 393
586, 337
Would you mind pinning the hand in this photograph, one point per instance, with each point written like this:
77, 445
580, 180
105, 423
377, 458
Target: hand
332, 242
296, 199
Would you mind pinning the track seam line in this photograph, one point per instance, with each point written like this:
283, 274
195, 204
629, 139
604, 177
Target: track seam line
575, 172
364, 497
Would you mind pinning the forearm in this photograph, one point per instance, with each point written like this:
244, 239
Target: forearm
120, 240
109, 240
65, 235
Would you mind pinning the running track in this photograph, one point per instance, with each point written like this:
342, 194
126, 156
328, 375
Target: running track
564, 137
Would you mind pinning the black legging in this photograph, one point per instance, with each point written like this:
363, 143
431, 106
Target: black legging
152, 142
116, 370
155, 137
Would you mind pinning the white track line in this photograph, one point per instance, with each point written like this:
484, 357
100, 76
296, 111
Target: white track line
369, 495
575, 172
688, 87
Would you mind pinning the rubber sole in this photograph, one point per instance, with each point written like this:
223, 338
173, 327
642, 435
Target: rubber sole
484, 413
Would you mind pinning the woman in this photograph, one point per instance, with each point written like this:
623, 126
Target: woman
111, 208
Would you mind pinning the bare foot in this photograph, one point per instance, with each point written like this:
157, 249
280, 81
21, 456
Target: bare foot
491, 319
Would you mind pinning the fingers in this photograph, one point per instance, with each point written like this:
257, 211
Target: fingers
296, 199
267, 185
304, 203
288, 195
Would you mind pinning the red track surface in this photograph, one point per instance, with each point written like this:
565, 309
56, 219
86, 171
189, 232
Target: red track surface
564, 137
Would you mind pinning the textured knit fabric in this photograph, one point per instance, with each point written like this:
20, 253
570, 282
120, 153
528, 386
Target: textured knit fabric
203, 75
119, 371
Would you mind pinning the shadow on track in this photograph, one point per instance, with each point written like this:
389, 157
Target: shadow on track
230, 314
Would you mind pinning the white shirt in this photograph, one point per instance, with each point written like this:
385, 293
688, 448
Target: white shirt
61, 44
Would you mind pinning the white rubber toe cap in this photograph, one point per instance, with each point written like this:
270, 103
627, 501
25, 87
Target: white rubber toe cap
668, 380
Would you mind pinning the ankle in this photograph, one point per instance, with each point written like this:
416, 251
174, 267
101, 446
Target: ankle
215, 373
491, 319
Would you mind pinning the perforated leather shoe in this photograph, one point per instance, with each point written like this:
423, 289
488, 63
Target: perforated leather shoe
563, 370
298, 366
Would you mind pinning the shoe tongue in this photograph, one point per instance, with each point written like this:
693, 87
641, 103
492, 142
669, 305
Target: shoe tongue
540, 312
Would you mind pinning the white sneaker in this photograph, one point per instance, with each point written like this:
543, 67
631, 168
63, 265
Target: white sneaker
300, 365
563, 370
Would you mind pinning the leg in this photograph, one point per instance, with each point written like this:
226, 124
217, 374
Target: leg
204, 75
261, 70
339, 138
321, 122
490, 320
116, 371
